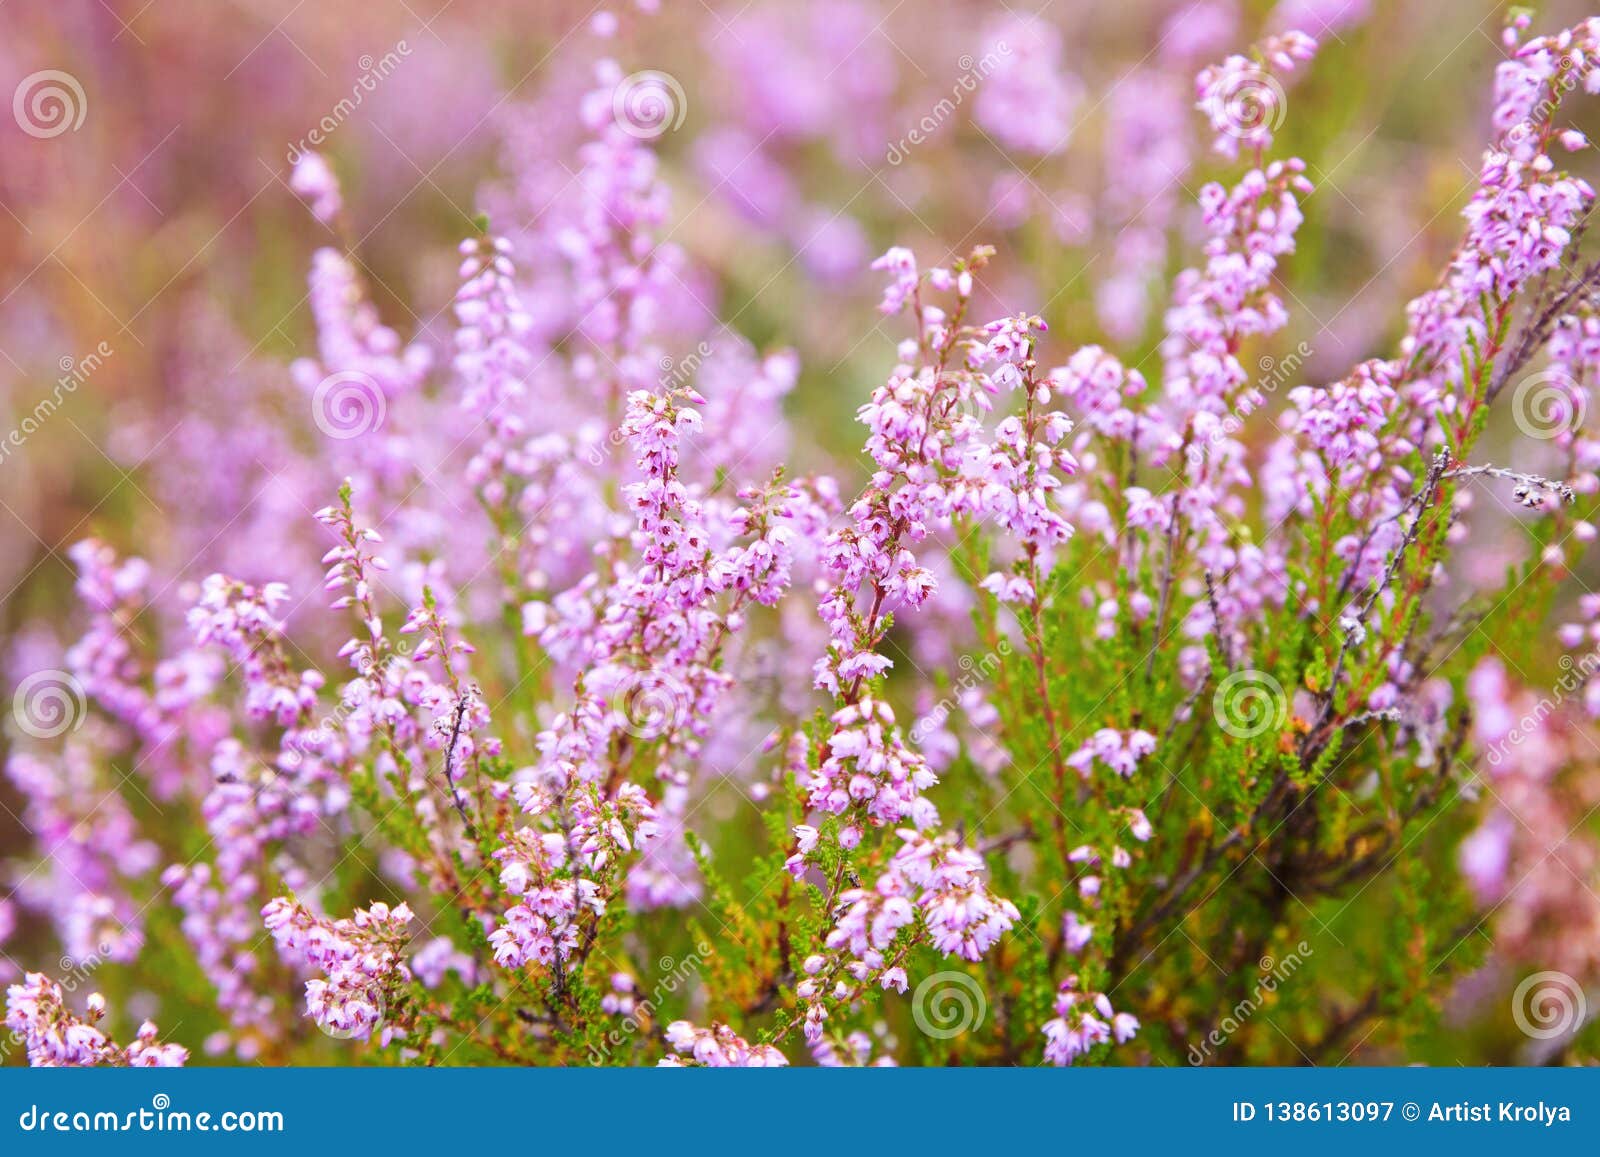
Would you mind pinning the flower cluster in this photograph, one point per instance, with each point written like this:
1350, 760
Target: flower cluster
362, 959
1121, 753
1122, 639
1243, 98
1082, 1021
36, 1012
718, 1047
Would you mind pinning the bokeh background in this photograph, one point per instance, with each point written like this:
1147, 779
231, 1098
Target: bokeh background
153, 256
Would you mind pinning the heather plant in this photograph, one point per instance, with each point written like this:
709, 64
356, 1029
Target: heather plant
580, 712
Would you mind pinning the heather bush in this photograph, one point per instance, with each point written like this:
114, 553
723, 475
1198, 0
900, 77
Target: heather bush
542, 688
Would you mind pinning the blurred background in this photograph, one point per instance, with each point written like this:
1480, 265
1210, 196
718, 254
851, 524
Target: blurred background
156, 217
153, 256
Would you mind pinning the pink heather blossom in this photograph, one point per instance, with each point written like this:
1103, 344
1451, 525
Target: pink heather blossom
718, 1047
240, 619
362, 959
1243, 98
1118, 751
53, 1036
1137, 622
1083, 1021
314, 180
867, 766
